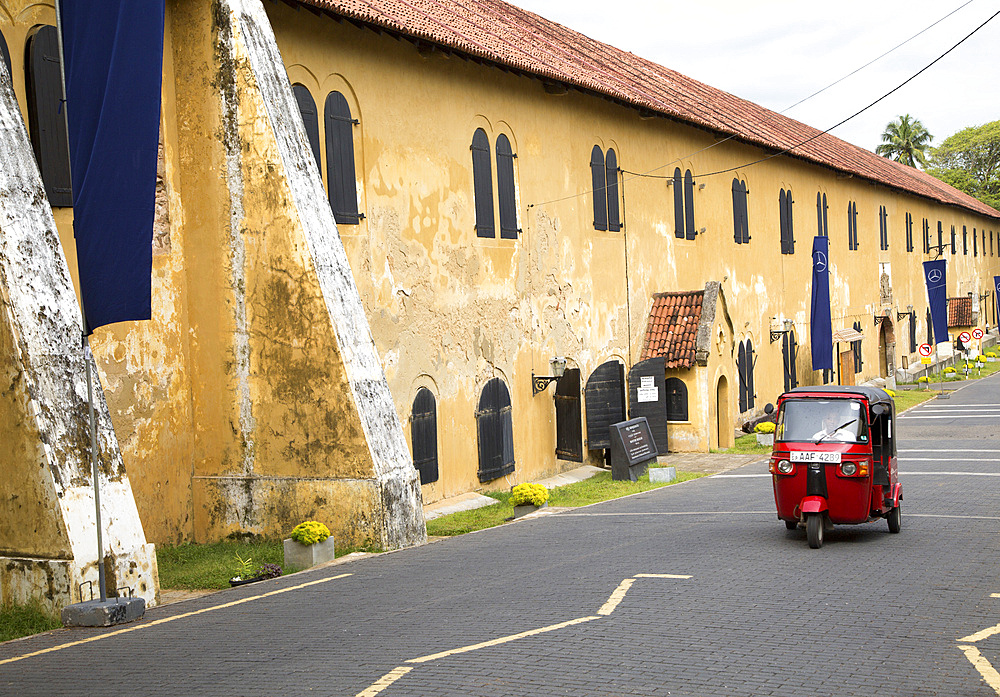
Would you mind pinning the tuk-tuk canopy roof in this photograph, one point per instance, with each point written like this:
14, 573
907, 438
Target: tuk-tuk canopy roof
874, 395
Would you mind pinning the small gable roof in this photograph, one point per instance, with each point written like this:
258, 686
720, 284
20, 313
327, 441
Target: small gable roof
672, 329
960, 312
515, 39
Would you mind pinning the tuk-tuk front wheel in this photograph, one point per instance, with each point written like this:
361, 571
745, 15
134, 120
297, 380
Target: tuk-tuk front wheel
814, 530
894, 519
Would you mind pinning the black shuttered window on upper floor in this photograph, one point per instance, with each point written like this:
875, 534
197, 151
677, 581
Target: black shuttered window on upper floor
689, 228
598, 176
505, 188
46, 118
785, 222
822, 215
741, 217
310, 118
340, 177
611, 171
482, 184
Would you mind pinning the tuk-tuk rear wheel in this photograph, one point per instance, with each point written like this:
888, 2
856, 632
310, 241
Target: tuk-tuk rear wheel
894, 519
814, 530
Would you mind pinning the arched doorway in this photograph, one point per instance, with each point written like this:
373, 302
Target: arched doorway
886, 348
723, 422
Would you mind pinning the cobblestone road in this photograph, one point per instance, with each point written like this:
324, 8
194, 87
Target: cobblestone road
760, 614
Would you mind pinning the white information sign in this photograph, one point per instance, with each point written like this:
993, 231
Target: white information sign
647, 381
648, 394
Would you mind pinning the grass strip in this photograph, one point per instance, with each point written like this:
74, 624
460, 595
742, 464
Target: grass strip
23, 620
598, 488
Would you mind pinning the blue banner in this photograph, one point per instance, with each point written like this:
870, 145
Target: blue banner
114, 62
821, 327
996, 300
937, 297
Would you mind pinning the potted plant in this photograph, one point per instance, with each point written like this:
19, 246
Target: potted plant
527, 498
765, 433
310, 544
246, 573
991, 357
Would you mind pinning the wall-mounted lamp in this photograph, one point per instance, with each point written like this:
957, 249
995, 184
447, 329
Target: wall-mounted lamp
776, 334
557, 364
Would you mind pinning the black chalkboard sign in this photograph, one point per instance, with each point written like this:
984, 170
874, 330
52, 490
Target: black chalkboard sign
632, 449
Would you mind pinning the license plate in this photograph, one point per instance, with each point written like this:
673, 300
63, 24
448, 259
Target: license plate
814, 456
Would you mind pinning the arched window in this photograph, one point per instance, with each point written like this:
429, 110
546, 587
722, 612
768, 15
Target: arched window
340, 178
598, 175
677, 400
785, 221
505, 188
310, 117
744, 367
495, 428
5, 56
789, 352
46, 120
423, 435
482, 184
611, 167
741, 222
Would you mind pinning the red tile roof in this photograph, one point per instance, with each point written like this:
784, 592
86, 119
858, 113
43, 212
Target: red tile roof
672, 329
960, 312
508, 36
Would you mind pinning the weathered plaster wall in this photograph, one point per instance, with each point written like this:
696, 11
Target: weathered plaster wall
450, 310
47, 530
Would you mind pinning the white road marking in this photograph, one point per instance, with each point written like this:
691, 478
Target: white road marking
947, 450
955, 416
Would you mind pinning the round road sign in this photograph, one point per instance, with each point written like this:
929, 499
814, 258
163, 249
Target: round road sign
977, 333
965, 337
925, 350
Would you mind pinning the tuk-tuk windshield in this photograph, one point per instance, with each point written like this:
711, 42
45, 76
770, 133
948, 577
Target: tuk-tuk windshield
822, 420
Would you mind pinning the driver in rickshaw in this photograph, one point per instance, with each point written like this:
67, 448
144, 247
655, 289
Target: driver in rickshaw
833, 426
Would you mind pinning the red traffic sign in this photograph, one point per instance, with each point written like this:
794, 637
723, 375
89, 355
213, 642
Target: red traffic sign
965, 337
925, 350
977, 333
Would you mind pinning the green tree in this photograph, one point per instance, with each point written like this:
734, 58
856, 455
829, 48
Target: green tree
970, 161
905, 140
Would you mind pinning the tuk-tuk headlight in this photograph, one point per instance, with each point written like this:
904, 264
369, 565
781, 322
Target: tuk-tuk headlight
849, 469
784, 467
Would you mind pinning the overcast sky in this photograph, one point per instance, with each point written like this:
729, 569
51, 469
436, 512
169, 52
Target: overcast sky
776, 52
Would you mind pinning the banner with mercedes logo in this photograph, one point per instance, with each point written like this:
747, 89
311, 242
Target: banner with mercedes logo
821, 328
937, 297
996, 305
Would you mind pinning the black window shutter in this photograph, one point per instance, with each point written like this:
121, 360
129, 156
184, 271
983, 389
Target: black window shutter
783, 221
482, 184
689, 205
750, 366
930, 328
965, 240
5, 55
495, 430
423, 434
611, 166
677, 400
599, 184
819, 214
46, 118
605, 402
794, 355
741, 370
788, 218
505, 188
975, 243
745, 212
569, 425
927, 237
310, 117
678, 204
940, 243
826, 218
856, 345
737, 222
913, 331
954, 247
340, 178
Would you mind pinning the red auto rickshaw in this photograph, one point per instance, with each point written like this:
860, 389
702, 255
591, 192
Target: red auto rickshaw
834, 459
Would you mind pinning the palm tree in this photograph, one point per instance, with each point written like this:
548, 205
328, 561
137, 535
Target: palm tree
905, 140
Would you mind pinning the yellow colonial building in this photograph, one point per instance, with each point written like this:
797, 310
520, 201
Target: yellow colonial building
381, 223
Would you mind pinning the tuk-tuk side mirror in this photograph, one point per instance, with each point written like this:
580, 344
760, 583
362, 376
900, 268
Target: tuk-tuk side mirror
880, 410
768, 408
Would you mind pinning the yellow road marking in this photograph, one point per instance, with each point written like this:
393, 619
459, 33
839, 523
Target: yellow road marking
168, 619
616, 597
982, 634
984, 667
995, 595
384, 682
502, 640
660, 576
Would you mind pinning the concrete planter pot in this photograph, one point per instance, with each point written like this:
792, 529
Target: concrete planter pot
528, 508
991, 360
304, 556
765, 439
662, 474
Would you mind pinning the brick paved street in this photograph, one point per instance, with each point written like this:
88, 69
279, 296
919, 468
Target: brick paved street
761, 614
